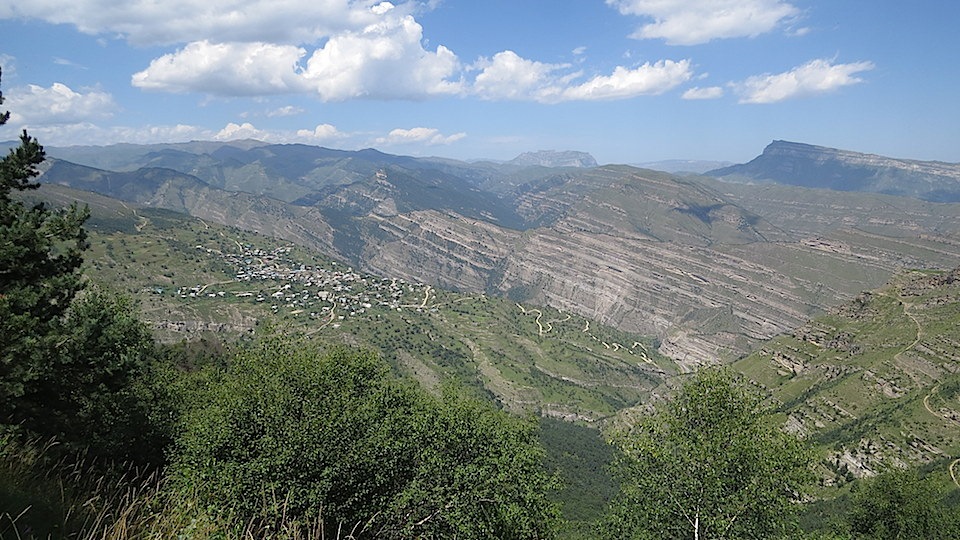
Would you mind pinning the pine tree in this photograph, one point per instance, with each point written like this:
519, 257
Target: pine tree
40, 258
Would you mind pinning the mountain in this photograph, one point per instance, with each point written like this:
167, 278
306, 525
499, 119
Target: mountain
552, 158
811, 166
196, 279
711, 268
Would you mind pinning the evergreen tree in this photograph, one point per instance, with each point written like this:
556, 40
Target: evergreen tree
77, 367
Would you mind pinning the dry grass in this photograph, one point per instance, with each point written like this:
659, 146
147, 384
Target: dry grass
42, 496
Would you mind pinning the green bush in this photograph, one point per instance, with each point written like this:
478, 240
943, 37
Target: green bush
290, 433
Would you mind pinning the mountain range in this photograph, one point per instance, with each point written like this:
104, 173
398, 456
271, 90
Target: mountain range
711, 268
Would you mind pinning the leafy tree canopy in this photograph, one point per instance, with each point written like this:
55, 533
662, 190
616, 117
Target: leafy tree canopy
707, 464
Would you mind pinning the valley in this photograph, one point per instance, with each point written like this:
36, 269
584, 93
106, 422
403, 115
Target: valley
197, 280
580, 290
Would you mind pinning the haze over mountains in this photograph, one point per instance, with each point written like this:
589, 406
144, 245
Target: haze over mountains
712, 268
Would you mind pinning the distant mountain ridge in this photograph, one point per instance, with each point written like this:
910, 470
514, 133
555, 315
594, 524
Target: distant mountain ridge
811, 166
552, 158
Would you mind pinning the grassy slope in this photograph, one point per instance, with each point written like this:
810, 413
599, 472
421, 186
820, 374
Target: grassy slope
876, 383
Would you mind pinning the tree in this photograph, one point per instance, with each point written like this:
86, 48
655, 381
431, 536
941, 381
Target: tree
289, 432
40, 257
899, 505
708, 464
71, 366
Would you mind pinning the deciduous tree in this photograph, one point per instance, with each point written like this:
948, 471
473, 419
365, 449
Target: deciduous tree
707, 464
899, 505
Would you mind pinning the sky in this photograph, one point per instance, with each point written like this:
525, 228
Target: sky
629, 81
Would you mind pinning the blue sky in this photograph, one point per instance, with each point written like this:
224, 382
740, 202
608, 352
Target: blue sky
629, 81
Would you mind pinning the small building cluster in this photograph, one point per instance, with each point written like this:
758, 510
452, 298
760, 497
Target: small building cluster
272, 276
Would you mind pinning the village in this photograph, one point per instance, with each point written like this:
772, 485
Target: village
273, 277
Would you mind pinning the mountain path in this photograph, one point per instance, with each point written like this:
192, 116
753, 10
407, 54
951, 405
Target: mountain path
934, 390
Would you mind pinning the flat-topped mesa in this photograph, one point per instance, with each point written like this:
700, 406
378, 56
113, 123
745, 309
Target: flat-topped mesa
807, 165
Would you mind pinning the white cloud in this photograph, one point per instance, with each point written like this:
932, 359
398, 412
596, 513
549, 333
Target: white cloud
815, 77
691, 22
58, 105
224, 69
648, 79
710, 92
89, 133
579, 50
148, 22
384, 60
419, 135
322, 132
509, 76
232, 132
64, 62
288, 110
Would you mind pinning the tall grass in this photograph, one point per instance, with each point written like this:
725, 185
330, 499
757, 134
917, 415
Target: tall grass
49, 496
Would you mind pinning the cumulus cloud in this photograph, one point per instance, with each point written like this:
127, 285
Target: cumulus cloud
383, 60
815, 77
509, 76
224, 69
58, 105
419, 135
710, 92
648, 79
335, 50
322, 132
246, 130
691, 22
